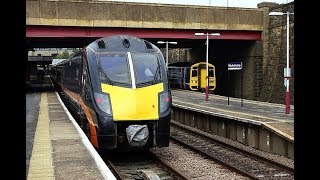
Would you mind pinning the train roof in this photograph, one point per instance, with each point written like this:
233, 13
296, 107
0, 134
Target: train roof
122, 43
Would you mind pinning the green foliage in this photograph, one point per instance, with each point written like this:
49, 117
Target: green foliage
64, 55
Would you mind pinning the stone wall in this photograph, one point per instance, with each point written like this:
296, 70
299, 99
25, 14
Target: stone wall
273, 89
93, 13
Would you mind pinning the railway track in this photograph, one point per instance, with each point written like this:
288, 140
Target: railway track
246, 163
141, 165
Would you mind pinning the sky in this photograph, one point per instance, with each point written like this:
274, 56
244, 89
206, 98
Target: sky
224, 3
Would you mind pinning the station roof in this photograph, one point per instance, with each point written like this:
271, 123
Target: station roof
56, 61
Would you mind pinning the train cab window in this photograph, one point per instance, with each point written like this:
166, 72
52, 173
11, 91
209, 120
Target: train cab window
115, 68
211, 72
194, 73
146, 67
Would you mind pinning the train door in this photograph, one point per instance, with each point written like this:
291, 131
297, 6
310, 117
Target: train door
212, 77
193, 82
202, 78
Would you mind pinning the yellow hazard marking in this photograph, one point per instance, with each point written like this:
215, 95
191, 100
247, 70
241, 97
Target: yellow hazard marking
279, 132
231, 113
234, 113
40, 166
247, 101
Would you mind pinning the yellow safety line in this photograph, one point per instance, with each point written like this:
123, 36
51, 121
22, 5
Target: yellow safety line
40, 166
280, 132
232, 111
247, 101
264, 123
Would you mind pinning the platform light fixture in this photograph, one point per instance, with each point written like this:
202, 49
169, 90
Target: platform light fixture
167, 48
207, 59
287, 70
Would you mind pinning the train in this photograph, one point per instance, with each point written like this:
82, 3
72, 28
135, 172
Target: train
118, 89
191, 76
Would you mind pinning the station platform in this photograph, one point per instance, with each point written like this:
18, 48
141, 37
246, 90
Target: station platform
269, 115
56, 147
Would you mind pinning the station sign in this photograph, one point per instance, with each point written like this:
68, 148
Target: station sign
234, 65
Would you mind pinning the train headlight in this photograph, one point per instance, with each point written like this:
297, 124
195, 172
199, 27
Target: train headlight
103, 102
194, 81
164, 101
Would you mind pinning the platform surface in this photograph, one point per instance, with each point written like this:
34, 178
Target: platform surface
54, 147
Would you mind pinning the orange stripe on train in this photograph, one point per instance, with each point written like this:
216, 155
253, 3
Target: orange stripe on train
77, 98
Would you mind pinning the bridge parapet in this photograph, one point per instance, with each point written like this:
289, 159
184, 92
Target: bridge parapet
95, 13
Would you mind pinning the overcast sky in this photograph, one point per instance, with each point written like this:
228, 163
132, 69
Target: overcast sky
229, 3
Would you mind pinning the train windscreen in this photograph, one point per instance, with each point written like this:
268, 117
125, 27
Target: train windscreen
146, 67
115, 67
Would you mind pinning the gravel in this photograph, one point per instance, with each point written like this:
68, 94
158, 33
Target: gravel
194, 165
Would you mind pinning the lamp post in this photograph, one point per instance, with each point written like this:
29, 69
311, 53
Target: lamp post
287, 70
207, 57
167, 48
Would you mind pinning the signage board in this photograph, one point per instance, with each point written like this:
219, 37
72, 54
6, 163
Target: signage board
234, 65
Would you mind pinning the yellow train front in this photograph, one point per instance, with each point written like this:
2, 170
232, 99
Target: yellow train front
186, 75
120, 90
198, 76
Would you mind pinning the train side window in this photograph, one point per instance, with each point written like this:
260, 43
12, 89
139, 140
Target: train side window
86, 92
194, 73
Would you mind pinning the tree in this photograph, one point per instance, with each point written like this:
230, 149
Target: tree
64, 55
